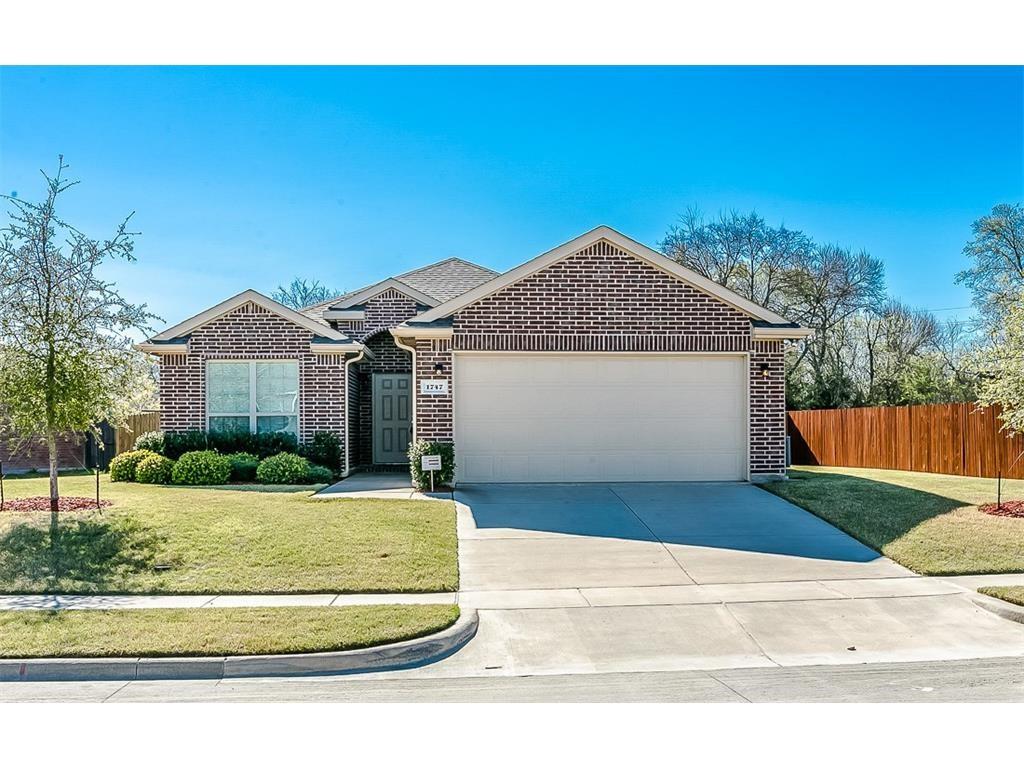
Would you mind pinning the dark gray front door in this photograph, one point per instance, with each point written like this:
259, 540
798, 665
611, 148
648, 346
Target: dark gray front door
391, 417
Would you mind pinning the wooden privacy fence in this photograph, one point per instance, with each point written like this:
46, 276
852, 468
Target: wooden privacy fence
124, 439
951, 439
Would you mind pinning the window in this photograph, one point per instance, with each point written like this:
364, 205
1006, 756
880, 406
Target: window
253, 397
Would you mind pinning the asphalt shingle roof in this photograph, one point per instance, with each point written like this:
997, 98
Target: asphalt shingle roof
443, 281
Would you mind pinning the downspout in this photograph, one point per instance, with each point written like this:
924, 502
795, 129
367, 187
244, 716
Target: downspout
412, 352
348, 413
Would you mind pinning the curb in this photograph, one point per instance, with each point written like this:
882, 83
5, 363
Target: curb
999, 607
408, 653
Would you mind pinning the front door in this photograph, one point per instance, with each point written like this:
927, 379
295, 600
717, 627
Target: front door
391, 417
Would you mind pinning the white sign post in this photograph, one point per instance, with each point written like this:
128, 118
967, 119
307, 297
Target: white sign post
431, 463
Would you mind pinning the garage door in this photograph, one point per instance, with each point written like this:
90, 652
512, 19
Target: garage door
579, 418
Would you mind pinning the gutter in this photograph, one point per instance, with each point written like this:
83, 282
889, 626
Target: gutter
412, 353
348, 412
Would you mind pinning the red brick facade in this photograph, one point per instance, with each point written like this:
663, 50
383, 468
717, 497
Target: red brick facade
599, 299
602, 299
252, 332
21, 454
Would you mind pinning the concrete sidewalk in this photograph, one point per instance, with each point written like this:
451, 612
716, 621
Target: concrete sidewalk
536, 599
378, 485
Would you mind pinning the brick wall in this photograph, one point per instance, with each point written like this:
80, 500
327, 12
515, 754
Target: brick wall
31, 453
767, 409
602, 299
386, 310
253, 333
388, 359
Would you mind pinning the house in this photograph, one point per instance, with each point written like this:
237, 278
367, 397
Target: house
600, 360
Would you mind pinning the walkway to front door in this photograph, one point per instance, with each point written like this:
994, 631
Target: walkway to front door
391, 417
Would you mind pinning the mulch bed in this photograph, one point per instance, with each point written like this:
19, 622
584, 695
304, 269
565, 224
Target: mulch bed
42, 504
1007, 509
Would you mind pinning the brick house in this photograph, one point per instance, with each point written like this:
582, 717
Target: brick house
598, 360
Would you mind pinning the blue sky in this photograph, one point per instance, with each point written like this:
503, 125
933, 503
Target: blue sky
245, 177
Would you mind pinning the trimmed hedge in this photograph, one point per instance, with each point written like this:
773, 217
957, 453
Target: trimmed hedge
319, 474
324, 449
123, 466
201, 468
243, 467
156, 470
283, 469
230, 441
421, 448
178, 443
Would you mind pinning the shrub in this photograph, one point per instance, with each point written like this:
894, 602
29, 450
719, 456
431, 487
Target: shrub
243, 467
230, 441
150, 441
421, 448
154, 469
178, 443
201, 468
324, 449
283, 469
123, 466
319, 474
273, 443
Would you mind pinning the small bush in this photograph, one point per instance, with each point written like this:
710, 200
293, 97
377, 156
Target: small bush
201, 468
123, 466
319, 474
228, 441
273, 443
155, 470
150, 441
243, 467
283, 469
324, 449
421, 448
178, 443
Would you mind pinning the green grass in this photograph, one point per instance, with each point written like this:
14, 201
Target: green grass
214, 631
929, 523
1009, 594
246, 539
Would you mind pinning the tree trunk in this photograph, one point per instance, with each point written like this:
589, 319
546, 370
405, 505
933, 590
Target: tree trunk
51, 447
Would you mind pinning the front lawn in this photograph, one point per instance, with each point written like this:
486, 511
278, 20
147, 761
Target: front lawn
929, 523
238, 539
1009, 594
214, 631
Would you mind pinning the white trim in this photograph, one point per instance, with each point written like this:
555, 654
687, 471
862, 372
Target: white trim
335, 349
412, 332
344, 314
391, 283
163, 349
781, 333
629, 245
252, 414
229, 305
484, 353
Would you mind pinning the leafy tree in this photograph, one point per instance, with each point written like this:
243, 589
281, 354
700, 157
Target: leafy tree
302, 293
996, 252
67, 359
1000, 366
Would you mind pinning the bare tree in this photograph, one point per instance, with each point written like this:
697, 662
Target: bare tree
302, 293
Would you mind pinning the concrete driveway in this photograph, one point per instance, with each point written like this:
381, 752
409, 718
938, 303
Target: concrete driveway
675, 576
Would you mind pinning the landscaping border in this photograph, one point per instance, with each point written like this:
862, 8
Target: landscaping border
408, 653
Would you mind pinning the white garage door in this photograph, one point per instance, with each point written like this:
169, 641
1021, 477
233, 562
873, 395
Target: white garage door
579, 418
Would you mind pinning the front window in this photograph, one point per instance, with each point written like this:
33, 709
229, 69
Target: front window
252, 397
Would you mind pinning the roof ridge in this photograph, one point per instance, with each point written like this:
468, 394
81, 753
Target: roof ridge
439, 263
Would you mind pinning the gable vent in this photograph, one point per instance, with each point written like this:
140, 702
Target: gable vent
601, 248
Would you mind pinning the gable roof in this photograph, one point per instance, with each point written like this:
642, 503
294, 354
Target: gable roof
317, 327
447, 279
640, 251
430, 285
